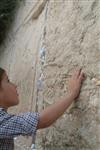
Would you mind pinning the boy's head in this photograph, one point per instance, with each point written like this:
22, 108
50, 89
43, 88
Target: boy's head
8, 91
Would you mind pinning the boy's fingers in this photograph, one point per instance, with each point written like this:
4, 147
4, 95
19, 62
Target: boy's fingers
82, 75
77, 72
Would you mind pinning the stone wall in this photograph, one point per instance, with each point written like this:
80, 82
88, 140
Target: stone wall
47, 41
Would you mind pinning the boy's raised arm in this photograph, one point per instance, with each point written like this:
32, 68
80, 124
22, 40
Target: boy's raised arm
50, 114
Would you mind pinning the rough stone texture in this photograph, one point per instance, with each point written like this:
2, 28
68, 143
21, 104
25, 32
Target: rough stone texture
48, 40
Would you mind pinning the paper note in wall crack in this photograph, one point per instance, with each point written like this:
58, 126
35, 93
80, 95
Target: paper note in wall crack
33, 147
98, 83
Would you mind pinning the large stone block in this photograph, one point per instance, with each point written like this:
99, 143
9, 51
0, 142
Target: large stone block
47, 41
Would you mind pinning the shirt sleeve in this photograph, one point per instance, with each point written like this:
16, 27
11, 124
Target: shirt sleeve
22, 124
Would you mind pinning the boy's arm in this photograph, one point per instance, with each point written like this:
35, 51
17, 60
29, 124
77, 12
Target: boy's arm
50, 114
53, 112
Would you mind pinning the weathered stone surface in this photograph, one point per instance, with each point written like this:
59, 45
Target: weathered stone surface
47, 41
72, 39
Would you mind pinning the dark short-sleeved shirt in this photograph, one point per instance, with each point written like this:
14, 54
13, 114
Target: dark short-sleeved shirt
14, 125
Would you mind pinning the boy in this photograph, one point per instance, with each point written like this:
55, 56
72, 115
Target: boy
29, 122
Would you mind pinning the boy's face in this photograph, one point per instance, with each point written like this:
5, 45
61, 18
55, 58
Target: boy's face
9, 95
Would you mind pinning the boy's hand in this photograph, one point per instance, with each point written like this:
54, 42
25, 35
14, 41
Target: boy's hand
75, 83
54, 111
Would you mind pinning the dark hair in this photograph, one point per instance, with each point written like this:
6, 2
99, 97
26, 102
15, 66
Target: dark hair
2, 71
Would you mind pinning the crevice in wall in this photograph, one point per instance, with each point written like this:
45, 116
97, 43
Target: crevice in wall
36, 80
40, 64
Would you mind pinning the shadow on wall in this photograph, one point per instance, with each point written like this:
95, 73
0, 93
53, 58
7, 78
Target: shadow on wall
7, 12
